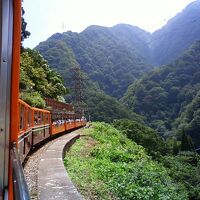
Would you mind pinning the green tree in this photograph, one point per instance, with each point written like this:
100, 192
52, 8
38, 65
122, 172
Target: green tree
37, 80
24, 33
186, 143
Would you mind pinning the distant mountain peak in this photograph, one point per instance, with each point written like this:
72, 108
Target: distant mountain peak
193, 5
123, 25
177, 35
94, 27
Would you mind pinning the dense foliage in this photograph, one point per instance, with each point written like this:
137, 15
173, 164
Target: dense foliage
143, 135
169, 95
105, 108
115, 57
37, 80
184, 168
100, 106
189, 120
112, 57
110, 166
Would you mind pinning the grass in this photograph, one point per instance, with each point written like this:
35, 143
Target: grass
80, 170
105, 165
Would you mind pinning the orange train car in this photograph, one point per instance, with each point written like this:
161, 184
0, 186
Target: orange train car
36, 125
25, 129
42, 125
21, 126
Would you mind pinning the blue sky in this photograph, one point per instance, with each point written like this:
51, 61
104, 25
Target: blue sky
46, 17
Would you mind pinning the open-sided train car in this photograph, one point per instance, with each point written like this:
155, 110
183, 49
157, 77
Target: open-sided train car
36, 125
63, 116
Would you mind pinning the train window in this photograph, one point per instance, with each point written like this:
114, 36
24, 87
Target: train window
29, 117
45, 115
47, 118
40, 118
35, 117
21, 122
55, 117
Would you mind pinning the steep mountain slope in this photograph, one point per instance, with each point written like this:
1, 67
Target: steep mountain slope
112, 57
189, 120
166, 94
177, 35
105, 108
115, 57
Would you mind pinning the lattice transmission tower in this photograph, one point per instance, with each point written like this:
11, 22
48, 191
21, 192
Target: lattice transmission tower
78, 91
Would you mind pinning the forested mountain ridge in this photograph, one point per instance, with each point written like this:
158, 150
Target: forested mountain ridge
112, 57
127, 35
169, 97
115, 57
177, 35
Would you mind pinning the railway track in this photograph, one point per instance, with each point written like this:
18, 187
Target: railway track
31, 167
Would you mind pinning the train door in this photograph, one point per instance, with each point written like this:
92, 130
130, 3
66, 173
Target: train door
6, 32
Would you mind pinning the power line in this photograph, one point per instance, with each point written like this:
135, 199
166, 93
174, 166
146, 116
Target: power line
160, 22
174, 31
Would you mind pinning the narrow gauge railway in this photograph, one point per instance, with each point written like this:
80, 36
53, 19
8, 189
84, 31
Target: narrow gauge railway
21, 126
37, 125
